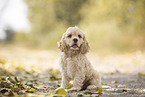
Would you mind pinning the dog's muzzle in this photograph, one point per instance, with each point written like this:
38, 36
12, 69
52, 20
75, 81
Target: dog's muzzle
74, 47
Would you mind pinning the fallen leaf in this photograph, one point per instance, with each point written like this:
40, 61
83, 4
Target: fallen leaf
61, 91
112, 73
114, 82
100, 89
141, 74
3, 90
31, 90
88, 93
70, 86
9, 93
16, 79
15, 89
12, 80
126, 85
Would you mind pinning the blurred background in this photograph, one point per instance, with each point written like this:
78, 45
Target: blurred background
111, 27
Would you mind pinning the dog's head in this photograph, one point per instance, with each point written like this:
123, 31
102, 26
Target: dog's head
73, 40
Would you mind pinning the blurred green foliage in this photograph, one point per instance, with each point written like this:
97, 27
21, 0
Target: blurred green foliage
115, 25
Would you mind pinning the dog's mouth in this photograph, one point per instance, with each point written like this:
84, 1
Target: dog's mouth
74, 46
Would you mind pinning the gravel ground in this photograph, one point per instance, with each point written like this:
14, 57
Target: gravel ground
117, 85
122, 74
124, 85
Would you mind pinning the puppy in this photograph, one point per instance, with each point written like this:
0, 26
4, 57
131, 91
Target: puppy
74, 63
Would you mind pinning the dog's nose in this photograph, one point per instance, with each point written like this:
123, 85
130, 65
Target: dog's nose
75, 40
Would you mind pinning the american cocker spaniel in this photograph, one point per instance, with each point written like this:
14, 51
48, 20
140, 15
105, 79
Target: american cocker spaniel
74, 63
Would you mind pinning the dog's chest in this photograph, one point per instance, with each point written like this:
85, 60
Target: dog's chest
73, 65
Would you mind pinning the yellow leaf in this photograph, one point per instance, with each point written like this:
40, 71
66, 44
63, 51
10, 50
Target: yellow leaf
31, 90
114, 82
70, 86
61, 91
100, 89
141, 74
126, 85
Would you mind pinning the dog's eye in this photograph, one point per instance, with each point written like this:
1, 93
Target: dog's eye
70, 36
79, 36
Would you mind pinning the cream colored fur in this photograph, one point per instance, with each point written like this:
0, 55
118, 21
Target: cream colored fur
74, 63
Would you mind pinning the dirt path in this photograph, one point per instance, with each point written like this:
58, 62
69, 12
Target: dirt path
118, 84
44, 84
34, 76
124, 84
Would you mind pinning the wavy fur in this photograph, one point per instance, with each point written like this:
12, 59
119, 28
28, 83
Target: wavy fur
74, 63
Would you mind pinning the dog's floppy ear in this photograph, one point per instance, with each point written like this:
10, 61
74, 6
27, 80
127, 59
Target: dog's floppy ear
85, 46
62, 45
